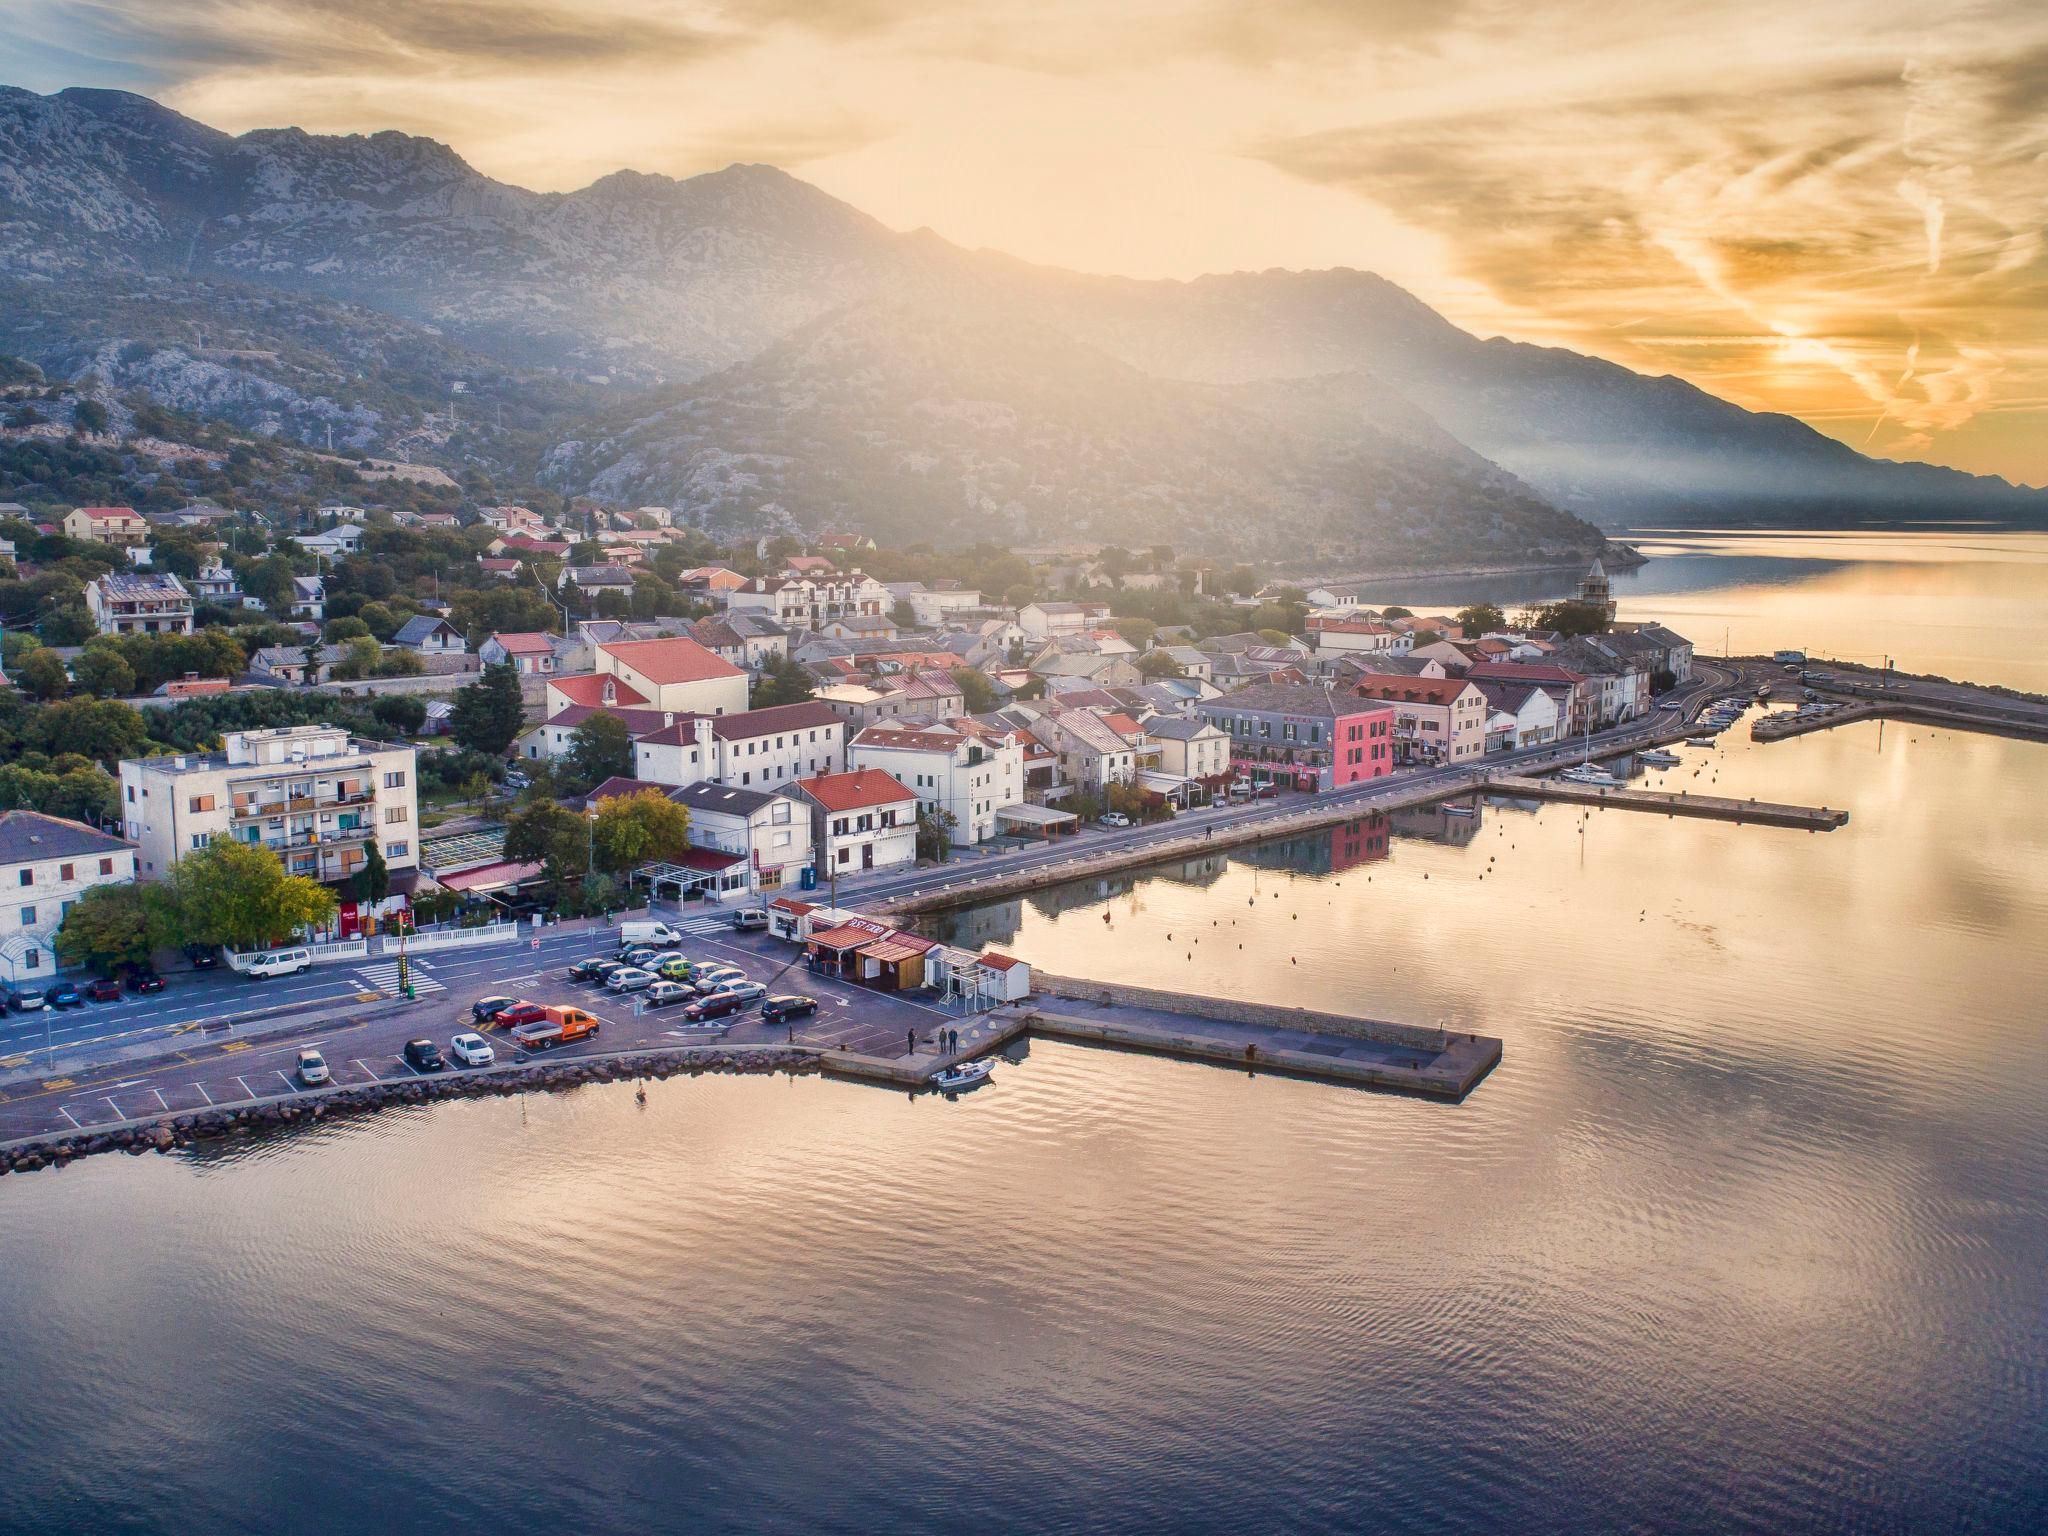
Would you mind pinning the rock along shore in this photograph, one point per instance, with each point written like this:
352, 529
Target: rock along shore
170, 1132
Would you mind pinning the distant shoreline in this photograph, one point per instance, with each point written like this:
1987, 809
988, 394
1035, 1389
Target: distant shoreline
1617, 556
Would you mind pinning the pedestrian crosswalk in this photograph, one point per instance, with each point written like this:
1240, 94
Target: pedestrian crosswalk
384, 978
704, 927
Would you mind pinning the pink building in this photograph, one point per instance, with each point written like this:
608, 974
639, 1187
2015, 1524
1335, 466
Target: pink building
1303, 736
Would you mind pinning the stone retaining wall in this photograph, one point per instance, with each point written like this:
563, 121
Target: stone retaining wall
1123, 995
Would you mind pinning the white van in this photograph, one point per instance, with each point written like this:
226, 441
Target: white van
278, 962
660, 935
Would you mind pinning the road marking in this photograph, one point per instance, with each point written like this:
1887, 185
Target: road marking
61, 1082
367, 1071
69, 1116
109, 1101
203, 1093
234, 1045
251, 1092
287, 1081
13, 1061
385, 978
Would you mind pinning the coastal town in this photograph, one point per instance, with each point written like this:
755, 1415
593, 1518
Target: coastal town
347, 803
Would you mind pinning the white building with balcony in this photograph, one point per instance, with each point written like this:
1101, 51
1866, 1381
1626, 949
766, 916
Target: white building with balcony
316, 795
138, 603
966, 777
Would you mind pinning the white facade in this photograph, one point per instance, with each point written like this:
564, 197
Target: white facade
969, 778
760, 749
770, 833
860, 821
46, 864
122, 603
315, 795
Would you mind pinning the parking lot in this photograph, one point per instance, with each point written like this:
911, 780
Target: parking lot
201, 1072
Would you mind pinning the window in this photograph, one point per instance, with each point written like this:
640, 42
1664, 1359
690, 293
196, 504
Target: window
34, 961
131, 794
395, 780
28, 917
28, 877
67, 872
395, 815
397, 850
201, 839
106, 866
201, 803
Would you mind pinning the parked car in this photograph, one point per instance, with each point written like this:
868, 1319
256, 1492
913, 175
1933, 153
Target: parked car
486, 1009
716, 1006
1113, 819
518, 1014
676, 968
423, 1056
713, 978
26, 997
594, 968
664, 994
313, 1068
629, 978
745, 991
64, 995
202, 957
143, 979
750, 920
561, 1026
790, 1006
106, 989
472, 1050
279, 962
645, 956
659, 935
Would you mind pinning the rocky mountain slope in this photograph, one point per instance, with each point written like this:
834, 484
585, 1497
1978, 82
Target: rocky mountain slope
771, 353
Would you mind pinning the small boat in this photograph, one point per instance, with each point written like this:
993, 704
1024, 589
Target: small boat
1459, 808
1702, 741
1591, 777
1656, 757
968, 1074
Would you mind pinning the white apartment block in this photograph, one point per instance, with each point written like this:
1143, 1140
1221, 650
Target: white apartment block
46, 864
316, 795
760, 749
968, 777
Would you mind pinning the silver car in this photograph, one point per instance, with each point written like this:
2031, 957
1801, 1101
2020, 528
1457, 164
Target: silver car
630, 978
664, 993
716, 978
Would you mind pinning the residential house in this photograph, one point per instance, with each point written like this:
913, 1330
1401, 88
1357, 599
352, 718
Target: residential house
858, 626
309, 599
710, 580
1086, 670
1577, 699
1670, 651
1357, 634
512, 519
430, 636
837, 544
1334, 599
755, 749
333, 543
46, 864
316, 795
964, 776
859, 820
1191, 662
757, 841
804, 602
138, 603
921, 695
809, 565
216, 583
1307, 737
1618, 666
1520, 715
122, 527
1191, 749
1040, 621
747, 640
931, 608
530, 653
674, 674
1437, 720
1091, 752
589, 581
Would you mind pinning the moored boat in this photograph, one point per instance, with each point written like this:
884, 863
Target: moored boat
967, 1074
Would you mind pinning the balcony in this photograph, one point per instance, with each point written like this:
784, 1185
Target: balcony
301, 805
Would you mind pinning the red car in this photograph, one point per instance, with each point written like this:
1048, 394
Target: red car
516, 1015
104, 990
716, 1006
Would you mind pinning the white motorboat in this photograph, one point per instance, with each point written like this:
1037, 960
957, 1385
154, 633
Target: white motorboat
968, 1074
1702, 741
1459, 808
1591, 777
1656, 757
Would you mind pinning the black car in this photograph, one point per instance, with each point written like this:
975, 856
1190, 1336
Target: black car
64, 995
203, 957
423, 1056
145, 981
595, 968
716, 1006
485, 1009
793, 1006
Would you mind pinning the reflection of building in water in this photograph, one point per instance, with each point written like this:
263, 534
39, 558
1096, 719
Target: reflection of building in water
1205, 871
1363, 841
1056, 899
976, 928
1434, 824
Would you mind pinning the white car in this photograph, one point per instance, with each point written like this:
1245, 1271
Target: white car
745, 991
630, 978
716, 978
472, 1050
313, 1069
1113, 819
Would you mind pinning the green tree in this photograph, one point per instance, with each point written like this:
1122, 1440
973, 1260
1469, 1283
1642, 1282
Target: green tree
782, 681
488, 714
372, 883
100, 670
1139, 632
601, 748
399, 662
112, 926
403, 713
238, 895
89, 416
1569, 618
1480, 619
903, 616
1158, 664
935, 835
977, 693
641, 828
89, 794
552, 836
41, 675
338, 630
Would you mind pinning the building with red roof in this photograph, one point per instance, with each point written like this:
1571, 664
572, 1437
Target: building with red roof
1436, 719
861, 820
675, 674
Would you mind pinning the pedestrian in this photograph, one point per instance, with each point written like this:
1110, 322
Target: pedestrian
910, 1048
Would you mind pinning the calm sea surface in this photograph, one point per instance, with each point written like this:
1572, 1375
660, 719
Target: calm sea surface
1747, 1232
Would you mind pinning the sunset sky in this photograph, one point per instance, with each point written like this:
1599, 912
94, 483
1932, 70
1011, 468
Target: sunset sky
1834, 208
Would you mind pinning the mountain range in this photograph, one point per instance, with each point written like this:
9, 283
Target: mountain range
746, 348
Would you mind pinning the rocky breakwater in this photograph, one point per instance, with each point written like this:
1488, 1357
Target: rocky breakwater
170, 1132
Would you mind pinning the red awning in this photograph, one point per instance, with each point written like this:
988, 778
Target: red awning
491, 877
711, 860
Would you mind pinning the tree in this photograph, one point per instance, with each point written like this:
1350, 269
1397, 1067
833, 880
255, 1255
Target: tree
372, 883
100, 670
1139, 632
1397, 612
601, 748
1569, 618
550, 835
89, 416
403, 713
238, 895
1158, 664
399, 661
489, 714
977, 693
782, 681
1481, 619
935, 835
338, 630
41, 675
641, 828
903, 616
112, 926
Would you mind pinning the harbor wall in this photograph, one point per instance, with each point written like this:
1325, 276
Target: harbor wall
1271, 1015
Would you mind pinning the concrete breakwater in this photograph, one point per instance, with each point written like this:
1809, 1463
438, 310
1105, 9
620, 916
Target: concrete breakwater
312, 1106
1761, 813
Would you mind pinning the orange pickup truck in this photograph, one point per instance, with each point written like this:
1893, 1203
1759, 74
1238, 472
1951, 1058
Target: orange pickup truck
562, 1026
